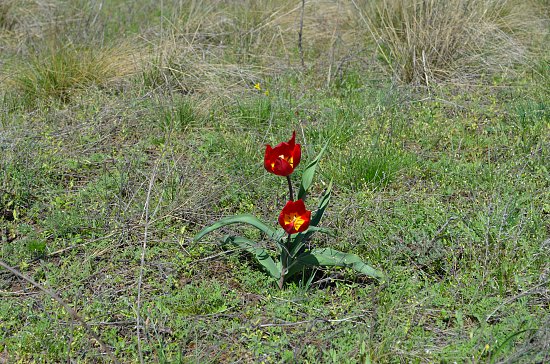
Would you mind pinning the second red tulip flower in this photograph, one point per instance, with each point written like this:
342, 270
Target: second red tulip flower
294, 217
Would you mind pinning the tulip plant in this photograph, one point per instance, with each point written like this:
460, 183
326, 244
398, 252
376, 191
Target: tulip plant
297, 223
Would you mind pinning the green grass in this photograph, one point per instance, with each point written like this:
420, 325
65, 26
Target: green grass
444, 189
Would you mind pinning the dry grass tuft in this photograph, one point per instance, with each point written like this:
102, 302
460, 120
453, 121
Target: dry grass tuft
261, 34
24, 21
423, 41
7, 21
60, 70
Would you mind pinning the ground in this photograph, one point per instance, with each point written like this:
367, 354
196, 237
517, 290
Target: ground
127, 127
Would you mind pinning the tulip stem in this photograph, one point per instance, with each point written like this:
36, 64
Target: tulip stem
284, 260
290, 188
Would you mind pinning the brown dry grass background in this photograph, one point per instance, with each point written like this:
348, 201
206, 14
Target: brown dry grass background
216, 44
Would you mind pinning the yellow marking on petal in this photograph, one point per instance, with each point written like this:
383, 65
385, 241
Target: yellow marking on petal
289, 218
298, 222
289, 159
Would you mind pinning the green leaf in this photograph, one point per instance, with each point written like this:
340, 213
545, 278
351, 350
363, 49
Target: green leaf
260, 253
245, 219
322, 206
309, 172
279, 235
331, 257
294, 268
300, 239
297, 244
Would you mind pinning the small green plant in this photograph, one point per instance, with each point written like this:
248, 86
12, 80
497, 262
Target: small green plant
36, 248
179, 117
297, 223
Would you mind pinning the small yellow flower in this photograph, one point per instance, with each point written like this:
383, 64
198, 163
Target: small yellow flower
266, 92
257, 86
487, 347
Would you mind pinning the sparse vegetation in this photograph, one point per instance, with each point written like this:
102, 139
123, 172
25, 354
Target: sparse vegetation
127, 127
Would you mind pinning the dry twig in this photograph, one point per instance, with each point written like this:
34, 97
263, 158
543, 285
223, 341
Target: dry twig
67, 308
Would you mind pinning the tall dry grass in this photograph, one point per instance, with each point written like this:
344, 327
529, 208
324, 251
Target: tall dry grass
212, 46
424, 41
264, 33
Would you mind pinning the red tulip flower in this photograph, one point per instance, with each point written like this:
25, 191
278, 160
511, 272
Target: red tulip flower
282, 159
294, 217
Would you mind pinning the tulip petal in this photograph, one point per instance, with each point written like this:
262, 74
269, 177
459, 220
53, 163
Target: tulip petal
282, 168
297, 154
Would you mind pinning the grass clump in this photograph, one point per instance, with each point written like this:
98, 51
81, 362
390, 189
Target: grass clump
426, 41
7, 22
59, 71
376, 169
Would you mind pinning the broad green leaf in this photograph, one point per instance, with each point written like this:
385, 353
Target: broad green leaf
294, 268
301, 238
280, 235
309, 173
260, 253
284, 258
322, 206
297, 244
331, 257
245, 219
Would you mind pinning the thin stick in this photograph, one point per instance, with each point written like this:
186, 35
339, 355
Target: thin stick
300, 32
511, 299
225, 252
61, 251
332, 47
345, 319
67, 308
441, 229
142, 262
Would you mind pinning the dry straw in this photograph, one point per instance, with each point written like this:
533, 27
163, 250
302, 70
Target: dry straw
422, 41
